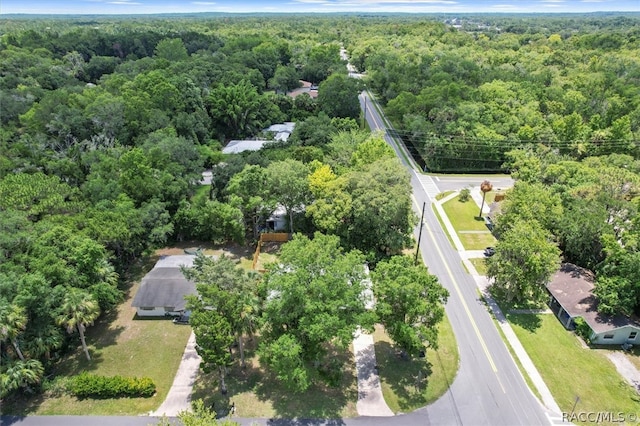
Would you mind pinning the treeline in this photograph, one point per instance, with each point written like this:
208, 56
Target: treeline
464, 97
105, 132
585, 211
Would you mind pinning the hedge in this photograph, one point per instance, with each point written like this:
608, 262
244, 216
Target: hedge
87, 385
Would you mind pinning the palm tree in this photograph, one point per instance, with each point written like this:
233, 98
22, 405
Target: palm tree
13, 321
42, 343
21, 374
246, 324
79, 309
485, 187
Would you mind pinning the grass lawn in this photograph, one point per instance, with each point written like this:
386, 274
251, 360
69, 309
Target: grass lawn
480, 265
569, 369
435, 211
119, 344
464, 218
399, 377
257, 393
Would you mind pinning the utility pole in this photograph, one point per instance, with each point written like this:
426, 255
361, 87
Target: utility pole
424, 204
364, 98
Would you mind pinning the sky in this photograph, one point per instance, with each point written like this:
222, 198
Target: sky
306, 6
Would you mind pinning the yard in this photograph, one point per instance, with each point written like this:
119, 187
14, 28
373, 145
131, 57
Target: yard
572, 370
410, 384
119, 344
257, 393
471, 229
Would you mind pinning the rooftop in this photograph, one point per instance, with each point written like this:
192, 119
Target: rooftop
238, 146
572, 286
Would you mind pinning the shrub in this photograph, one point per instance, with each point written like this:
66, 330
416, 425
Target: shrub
87, 385
464, 195
582, 329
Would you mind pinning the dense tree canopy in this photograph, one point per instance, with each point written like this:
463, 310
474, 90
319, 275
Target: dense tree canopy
314, 299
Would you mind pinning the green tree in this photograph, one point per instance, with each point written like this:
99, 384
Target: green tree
409, 303
13, 322
338, 96
375, 148
288, 186
20, 374
231, 290
248, 190
201, 415
171, 49
214, 336
79, 309
524, 261
285, 79
315, 298
238, 109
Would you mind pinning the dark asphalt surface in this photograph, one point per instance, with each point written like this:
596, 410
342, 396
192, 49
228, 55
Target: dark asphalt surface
488, 389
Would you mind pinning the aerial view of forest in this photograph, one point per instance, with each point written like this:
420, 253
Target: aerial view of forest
108, 122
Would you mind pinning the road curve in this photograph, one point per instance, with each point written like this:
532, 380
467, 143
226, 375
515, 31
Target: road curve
488, 389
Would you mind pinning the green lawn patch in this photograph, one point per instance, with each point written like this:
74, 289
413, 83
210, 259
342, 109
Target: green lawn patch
410, 384
471, 229
480, 265
442, 195
435, 211
257, 393
569, 369
120, 344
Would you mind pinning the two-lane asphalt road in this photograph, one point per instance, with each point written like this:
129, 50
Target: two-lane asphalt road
489, 389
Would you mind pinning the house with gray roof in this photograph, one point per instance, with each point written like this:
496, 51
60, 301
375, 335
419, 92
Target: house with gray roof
571, 296
163, 290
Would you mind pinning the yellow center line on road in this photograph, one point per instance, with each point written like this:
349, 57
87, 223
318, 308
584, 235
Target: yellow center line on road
464, 303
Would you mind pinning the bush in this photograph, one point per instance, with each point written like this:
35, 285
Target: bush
582, 329
464, 195
87, 385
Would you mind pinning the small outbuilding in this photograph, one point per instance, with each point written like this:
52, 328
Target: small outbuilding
571, 296
162, 291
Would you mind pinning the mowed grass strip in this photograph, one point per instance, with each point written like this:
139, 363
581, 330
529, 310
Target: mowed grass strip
410, 384
464, 217
119, 344
480, 264
570, 369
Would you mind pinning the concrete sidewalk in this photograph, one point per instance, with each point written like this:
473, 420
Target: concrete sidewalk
482, 283
370, 403
179, 396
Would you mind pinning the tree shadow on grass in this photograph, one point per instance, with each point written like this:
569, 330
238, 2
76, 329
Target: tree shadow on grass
320, 404
407, 377
529, 322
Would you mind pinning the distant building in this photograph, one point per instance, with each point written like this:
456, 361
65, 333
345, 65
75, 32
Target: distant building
238, 146
280, 133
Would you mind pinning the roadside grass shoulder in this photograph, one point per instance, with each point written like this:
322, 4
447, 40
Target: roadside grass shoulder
480, 264
572, 370
444, 229
410, 384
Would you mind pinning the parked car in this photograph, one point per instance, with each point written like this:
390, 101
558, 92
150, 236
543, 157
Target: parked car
183, 318
489, 251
